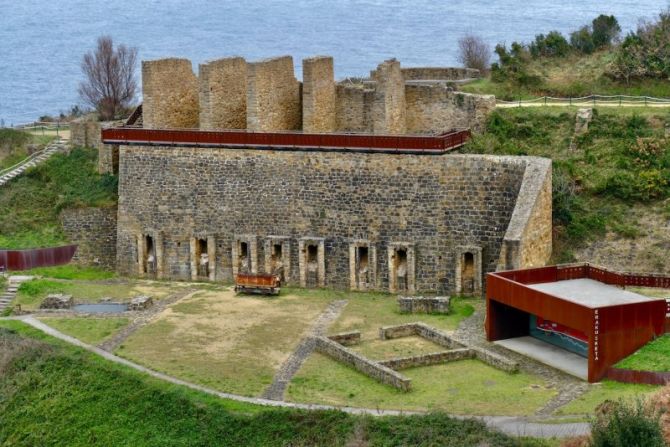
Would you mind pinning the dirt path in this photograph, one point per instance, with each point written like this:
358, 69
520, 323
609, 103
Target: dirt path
292, 364
145, 317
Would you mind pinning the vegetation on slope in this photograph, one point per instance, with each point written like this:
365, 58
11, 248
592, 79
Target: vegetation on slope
14, 146
623, 160
30, 204
53, 394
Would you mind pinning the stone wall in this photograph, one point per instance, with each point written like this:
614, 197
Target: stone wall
430, 206
170, 94
388, 107
273, 96
437, 108
353, 108
346, 338
439, 73
223, 94
94, 231
366, 366
528, 240
435, 358
318, 95
426, 305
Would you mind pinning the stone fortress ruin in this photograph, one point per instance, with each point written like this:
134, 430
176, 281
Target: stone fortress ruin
402, 222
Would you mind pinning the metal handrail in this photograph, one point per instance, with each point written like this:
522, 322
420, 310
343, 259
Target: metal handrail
24, 161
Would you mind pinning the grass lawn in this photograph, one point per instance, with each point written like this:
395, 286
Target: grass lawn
70, 271
654, 356
605, 390
56, 394
368, 312
227, 342
463, 387
31, 293
377, 349
89, 330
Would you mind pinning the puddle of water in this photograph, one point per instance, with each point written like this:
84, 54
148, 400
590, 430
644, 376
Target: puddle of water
102, 308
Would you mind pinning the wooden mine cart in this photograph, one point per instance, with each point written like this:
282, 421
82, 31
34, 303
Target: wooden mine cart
263, 284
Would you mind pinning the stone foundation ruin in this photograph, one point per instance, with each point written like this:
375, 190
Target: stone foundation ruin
386, 371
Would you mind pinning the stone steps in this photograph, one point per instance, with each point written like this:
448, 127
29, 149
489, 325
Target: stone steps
57, 146
10, 292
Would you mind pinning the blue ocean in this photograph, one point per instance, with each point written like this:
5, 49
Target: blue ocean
42, 42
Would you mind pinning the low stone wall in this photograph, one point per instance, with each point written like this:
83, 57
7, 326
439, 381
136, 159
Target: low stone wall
440, 338
346, 338
495, 360
426, 305
434, 358
439, 73
94, 231
368, 367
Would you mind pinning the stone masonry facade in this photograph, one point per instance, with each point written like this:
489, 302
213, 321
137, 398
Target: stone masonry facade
94, 231
400, 223
265, 96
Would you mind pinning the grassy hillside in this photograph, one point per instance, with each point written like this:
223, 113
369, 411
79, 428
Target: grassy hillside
571, 76
14, 146
54, 394
30, 204
621, 164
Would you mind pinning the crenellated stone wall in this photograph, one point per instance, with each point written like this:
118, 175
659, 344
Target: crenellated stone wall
318, 95
437, 108
170, 91
389, 108
274, 100
223, 94
265, 96
237, 201
94, 232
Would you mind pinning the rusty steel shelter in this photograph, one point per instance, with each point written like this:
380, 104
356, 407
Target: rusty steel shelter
585, 302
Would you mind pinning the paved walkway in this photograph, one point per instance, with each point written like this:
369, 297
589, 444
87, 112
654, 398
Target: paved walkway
292, 364
510, 425
58, 145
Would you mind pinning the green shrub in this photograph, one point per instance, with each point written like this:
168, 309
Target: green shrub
627, 425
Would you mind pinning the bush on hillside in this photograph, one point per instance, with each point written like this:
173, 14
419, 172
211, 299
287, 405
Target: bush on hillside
551, 45
623, 424
645, 53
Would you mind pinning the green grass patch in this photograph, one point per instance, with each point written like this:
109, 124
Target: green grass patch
463, 387
587, 403
654, 356
71, 271
31, 293
89, 330
31, 203
623, 160
55, 394
572, 76
367, 312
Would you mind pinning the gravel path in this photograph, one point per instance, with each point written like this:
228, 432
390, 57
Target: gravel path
292, 364
510, 425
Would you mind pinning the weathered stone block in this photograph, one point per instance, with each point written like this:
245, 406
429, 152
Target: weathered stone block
170, 94
318, 95
273, 96
426, 305
223, 94
57, 301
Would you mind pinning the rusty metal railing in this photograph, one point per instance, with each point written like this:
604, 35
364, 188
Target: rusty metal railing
353, 142
40, 257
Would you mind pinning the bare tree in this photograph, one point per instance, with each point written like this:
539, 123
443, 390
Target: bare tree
109, 83
473, 52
